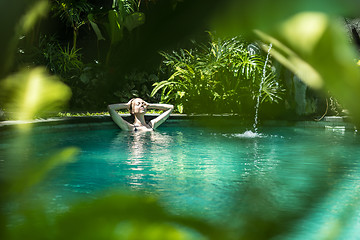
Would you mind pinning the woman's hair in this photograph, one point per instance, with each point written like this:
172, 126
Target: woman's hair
132, 116
130, 106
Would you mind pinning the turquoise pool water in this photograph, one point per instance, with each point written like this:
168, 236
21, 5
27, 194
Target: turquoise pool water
216, 173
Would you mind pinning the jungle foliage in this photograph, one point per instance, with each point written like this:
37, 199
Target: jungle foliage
88, 60
322, 51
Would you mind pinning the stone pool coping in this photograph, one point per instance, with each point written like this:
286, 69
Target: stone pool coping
99, 121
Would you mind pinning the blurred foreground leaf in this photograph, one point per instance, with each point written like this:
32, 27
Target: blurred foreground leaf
17, 18
242, 17
320, 55
307, 38
116, 216
35, 174
37, 10
33, 93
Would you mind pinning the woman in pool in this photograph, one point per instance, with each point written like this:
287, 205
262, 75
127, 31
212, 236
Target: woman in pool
138, 108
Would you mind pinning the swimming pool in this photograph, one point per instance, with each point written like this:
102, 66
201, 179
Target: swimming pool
215, 173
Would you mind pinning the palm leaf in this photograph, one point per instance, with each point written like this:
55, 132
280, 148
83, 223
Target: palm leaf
160, 85
271, 90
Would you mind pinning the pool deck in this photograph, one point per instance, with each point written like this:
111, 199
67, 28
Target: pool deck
328, 122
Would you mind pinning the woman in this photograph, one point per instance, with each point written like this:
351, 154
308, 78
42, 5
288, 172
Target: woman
138, 108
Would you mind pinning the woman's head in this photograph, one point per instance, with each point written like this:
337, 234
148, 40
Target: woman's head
137, 106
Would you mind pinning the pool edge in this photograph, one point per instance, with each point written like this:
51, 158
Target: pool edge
56, 122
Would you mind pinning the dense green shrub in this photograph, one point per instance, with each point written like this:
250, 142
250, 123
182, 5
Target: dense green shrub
221, 76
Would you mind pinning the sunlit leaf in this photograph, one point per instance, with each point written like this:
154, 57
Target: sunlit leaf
241, 17
39, 9
120, 216
33, 93
181, 94
180, 108
161, 85
303, 31
292, 61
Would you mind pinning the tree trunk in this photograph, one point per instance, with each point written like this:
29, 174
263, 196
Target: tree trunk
75, 38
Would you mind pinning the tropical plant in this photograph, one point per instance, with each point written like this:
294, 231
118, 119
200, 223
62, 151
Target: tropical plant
84, 79
124, 14
66, 62
70, 59
222, 75
74, 13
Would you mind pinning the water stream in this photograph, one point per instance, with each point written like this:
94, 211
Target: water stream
260, 89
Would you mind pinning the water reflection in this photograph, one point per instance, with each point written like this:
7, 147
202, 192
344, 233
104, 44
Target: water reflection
187, 168
136, 150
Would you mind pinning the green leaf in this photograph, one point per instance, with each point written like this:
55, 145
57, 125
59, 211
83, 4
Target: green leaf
95, 28
181, 94
134, 20
37, 173
115, 29
180, 108
39, 9
161, 85
114, 4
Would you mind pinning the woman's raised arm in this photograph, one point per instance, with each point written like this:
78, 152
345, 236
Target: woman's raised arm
168, 108
124, 125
